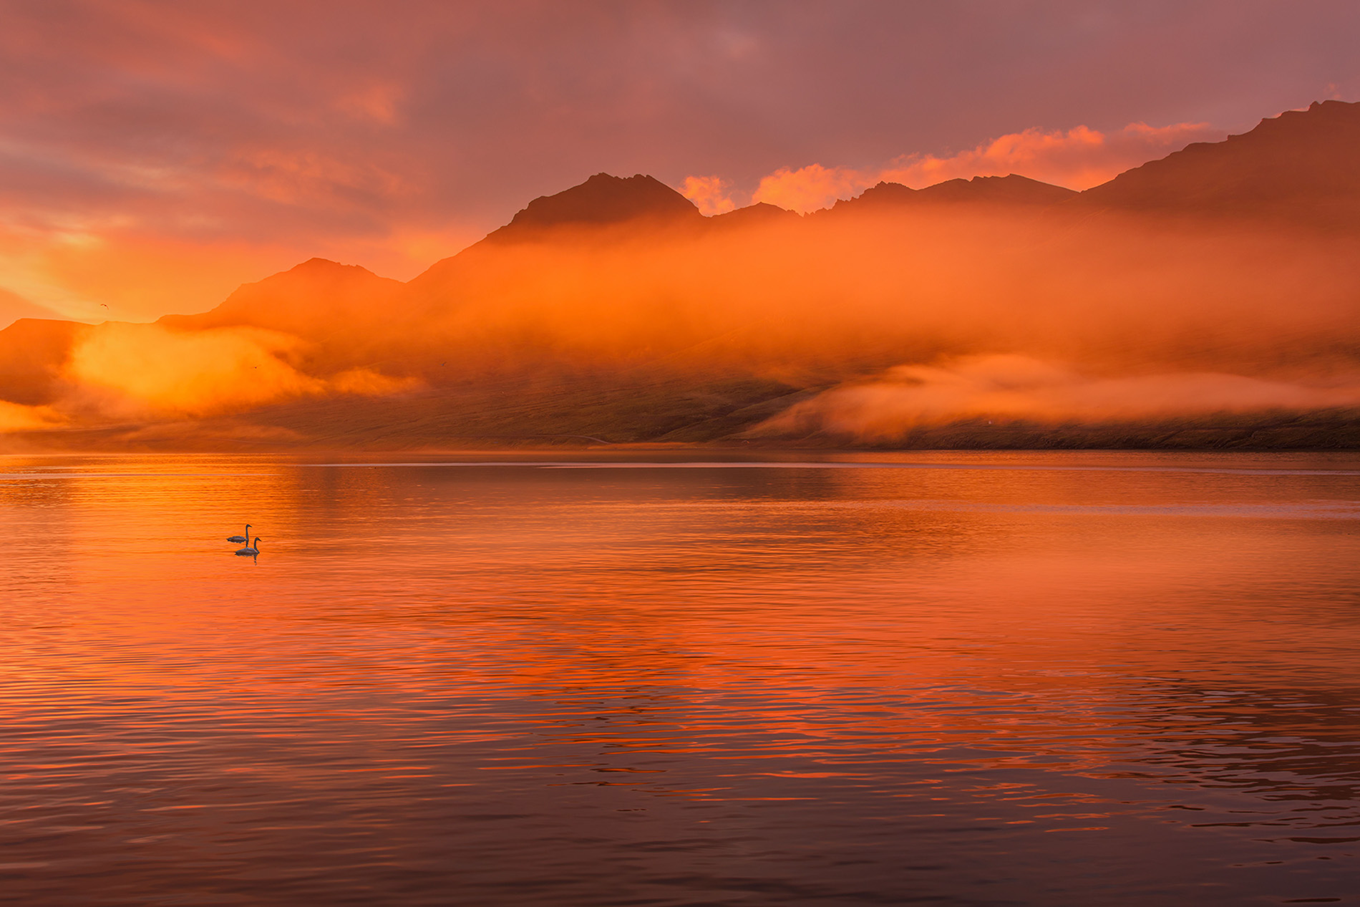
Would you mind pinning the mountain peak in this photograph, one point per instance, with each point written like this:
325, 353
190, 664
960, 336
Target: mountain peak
602, 199
1012, 189
980, 190
318, 291
758, 213
319, 266
1300, 164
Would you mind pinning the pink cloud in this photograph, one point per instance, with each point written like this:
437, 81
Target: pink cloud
709, 193
376, 103
811, 187
1078, 159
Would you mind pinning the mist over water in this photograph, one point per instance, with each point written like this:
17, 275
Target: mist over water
964, 679
860, 327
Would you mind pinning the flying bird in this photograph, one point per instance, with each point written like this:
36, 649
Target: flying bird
240, 538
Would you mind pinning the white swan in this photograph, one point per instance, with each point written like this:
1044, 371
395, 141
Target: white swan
250, 550
239, 538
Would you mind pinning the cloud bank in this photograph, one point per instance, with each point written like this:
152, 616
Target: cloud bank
1076, 159
1018, 388
889, 316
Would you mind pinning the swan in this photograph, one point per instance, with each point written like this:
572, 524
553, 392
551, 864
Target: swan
250, 550
241, 538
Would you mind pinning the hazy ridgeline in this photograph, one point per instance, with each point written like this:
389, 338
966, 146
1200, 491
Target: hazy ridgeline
869, 322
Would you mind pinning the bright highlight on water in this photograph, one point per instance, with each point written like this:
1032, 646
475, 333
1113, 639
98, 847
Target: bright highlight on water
987, 678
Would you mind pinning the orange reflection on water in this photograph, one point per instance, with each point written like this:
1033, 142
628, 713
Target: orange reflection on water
444, 680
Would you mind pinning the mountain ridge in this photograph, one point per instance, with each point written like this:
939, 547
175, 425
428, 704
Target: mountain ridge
601, 199
497, 321
1300, 164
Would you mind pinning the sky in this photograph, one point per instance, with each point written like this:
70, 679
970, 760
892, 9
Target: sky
155, 155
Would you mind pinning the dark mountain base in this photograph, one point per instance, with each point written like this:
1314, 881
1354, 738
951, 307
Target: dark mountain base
720, 415
1305, 433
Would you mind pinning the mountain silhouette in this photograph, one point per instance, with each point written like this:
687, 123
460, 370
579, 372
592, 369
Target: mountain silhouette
601, 203
600, 200
615, 309
759, 213
314, 298
997, 191
1303, 165
883, 196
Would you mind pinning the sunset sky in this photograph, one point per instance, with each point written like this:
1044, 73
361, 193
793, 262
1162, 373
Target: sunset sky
155, 155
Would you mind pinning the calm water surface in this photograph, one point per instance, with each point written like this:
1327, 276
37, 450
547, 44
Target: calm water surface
1061, 679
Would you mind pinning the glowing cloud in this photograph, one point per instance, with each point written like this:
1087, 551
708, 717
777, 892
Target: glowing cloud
812, 187
1078, 159
16, 417
1016, 387
709, 193
145, 369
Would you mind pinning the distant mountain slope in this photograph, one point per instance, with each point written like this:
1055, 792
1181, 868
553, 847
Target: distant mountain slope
602, 199
999, 191
759, 213
602, 202
1303, 164
317, 297
996, 190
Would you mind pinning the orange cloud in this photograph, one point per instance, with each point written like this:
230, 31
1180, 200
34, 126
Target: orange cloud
308, 177
365, 382
1011, 387
16, 417
145, 369
1078, 159
377, 103
709, 193
138, 367
1126, 318
812, 187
